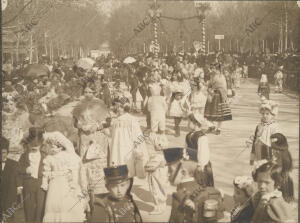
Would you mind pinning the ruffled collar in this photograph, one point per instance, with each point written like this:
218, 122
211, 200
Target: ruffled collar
267, 123
267, 197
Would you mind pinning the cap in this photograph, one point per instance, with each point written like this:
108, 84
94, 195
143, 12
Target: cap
116, 174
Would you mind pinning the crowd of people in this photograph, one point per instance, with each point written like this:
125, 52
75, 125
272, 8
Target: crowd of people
82, 168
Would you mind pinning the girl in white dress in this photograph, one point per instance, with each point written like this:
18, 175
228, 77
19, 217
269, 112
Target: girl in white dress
128, 142
64, 179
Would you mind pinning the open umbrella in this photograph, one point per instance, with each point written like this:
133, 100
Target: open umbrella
85, 63
36, 70
129, 60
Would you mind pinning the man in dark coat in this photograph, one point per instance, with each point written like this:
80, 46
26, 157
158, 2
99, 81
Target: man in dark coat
31, 172
9, 184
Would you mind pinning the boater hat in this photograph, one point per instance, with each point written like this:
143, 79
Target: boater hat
116, 174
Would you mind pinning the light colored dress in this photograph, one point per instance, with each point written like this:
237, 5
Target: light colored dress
65, 182
128, 144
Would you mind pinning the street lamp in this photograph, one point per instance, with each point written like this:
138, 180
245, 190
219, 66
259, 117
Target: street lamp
202, 8
155, 13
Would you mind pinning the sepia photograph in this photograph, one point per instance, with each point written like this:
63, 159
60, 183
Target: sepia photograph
178, 111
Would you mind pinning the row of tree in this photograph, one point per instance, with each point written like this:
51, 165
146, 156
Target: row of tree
73, 27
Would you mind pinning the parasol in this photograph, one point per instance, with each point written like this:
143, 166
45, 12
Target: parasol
85, 63
129, 60
36, 70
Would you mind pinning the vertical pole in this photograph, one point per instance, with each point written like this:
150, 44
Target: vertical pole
263, 46
207, 47
219, 44
273, 47
237, 45
286, 27
230, 45
281, 34
30, 53
203, 35
45, 42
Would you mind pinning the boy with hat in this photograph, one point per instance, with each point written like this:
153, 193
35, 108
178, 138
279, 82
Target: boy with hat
117, 205
192, 202
31, 174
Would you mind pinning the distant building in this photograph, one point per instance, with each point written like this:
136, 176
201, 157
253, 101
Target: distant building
103, 50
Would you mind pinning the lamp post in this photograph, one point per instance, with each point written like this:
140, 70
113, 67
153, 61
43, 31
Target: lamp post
202, 8
155, 13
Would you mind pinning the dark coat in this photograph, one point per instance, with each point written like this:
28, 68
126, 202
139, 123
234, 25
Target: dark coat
10, 182
108, 209
29, 183
193, 191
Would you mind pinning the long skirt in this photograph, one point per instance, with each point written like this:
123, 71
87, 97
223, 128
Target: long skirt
217, 109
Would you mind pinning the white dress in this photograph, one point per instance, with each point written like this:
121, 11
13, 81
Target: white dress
128, 143
65, 182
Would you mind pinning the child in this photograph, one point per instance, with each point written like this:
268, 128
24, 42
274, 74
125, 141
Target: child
263, 87
268, 203
192, 202
261, 147
283, 158
243, 190
117, 205
157, 107
64, 179
197, 144
278, 80
198, 96
177, 110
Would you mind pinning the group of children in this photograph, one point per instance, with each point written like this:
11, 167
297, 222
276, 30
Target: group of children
189, 168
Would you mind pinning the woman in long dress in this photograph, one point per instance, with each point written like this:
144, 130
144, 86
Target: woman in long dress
216, 107
64, 179
128, 142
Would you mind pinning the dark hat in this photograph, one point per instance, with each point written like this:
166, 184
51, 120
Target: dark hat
116, 174
4, 143
173, 154
279, 142
35, 137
